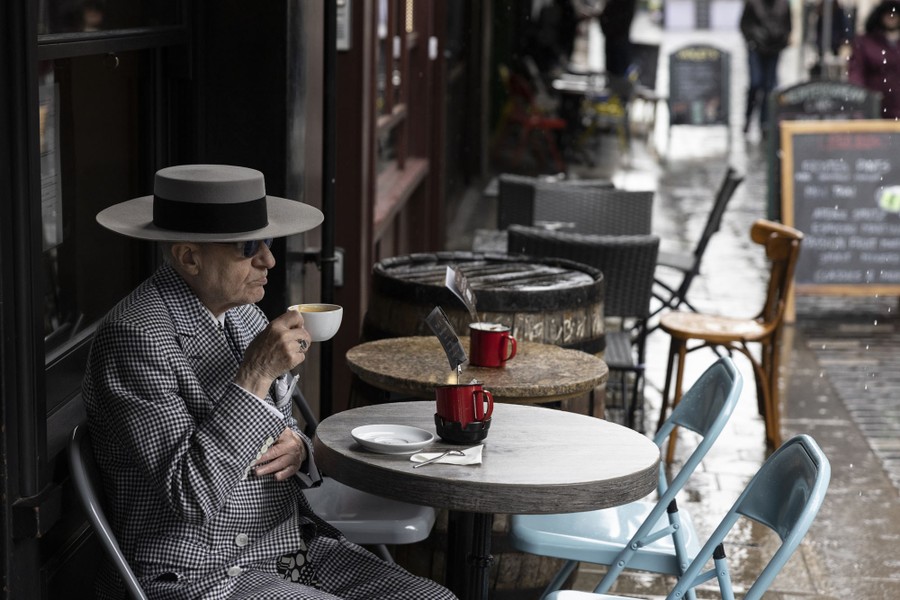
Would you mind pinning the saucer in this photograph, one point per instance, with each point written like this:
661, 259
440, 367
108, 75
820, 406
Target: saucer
392, 439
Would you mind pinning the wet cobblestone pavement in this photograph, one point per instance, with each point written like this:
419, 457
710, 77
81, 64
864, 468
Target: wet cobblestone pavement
840, 367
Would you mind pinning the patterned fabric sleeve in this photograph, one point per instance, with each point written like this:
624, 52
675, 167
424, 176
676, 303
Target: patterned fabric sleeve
148, 392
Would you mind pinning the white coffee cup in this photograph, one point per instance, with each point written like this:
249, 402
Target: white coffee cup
321, 320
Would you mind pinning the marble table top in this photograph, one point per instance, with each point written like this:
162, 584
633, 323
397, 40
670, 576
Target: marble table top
539, 373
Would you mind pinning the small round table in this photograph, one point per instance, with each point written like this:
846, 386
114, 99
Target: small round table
535, 460
538, 374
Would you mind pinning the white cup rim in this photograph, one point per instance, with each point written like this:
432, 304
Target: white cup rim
319, 305
488, 326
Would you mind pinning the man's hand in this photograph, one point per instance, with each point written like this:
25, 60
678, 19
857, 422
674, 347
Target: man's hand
283, 458
281, 346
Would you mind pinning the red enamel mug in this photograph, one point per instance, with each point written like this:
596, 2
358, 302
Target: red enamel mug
464, 403
490, 344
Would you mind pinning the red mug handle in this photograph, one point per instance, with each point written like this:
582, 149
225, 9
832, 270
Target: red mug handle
511, 347
480, 413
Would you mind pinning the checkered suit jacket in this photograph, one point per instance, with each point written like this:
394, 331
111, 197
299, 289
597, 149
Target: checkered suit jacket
174, 438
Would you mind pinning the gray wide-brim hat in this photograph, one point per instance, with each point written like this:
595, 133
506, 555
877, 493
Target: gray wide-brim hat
209, 203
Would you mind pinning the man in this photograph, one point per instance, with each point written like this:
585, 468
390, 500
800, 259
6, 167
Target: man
875, 61
766, 27
188, 391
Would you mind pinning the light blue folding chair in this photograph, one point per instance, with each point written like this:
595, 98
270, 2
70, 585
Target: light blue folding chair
785, 495
645, 535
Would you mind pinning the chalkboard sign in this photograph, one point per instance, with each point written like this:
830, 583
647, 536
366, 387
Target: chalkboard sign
841, 188
812, 101
698, 86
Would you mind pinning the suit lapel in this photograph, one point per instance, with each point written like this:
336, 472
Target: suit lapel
201, 338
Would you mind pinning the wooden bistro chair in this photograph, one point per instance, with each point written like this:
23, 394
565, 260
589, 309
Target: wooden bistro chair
782, 247
627, 263
783, 498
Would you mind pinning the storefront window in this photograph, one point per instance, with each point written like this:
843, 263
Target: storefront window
396, 34
70, 16
95, 136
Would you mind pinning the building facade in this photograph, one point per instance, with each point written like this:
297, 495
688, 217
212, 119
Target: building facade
368, 109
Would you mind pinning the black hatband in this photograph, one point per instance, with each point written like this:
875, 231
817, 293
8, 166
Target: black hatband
210, 218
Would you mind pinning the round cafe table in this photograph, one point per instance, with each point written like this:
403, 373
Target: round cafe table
538, 374
535, 460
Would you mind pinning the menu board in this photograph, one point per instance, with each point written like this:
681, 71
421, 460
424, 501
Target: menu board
841, 188
698, 86
812, 101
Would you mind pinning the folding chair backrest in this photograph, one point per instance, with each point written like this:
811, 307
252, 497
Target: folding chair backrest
595, 211
785, 495
704, 409
729, 184
627, 262
86, 477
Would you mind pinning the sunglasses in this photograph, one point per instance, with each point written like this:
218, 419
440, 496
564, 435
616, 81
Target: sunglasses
250, 247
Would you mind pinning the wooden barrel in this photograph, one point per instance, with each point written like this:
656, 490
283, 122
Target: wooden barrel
553, 301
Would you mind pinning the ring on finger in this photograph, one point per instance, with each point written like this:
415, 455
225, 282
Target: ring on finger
304, 345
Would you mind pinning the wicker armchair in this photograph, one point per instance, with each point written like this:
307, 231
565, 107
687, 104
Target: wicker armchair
627, 263
515, 196
593, 210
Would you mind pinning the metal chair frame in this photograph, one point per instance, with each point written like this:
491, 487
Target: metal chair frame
633, 536
86, 477
784, 496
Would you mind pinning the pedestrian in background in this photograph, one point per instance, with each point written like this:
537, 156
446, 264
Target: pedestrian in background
875, 61
766, 27
615, 23
840, 35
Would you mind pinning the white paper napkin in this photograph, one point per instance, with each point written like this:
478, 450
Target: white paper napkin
471, 456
